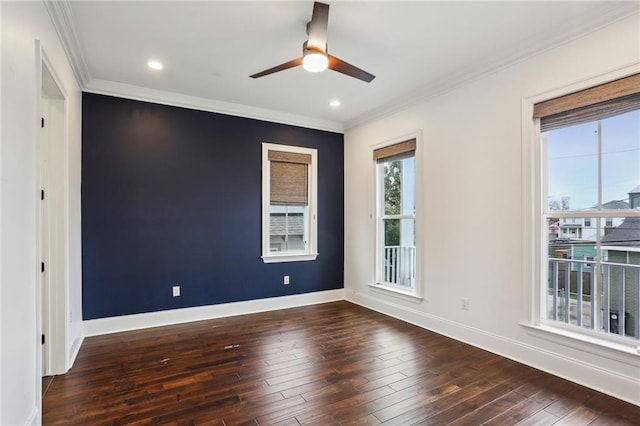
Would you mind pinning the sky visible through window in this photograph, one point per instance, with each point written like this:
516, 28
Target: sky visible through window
573, 161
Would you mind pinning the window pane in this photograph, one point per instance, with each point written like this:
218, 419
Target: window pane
572, 271
399, 252
399, 186
620, 159
408, 186
621, 277
572, 161
287, 228
392, 181
391, 232
576, 282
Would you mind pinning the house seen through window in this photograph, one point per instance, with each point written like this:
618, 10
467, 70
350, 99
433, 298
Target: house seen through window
287, 228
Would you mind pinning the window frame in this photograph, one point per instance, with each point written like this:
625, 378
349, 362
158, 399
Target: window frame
534, 233
311, 222
377, 218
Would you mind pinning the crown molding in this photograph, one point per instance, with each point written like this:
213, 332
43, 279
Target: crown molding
598, 18
64, 23
111, 88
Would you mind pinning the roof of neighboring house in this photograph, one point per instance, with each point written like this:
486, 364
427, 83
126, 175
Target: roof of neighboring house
615, 205
611, 205
627, 234
278, 224
635, 190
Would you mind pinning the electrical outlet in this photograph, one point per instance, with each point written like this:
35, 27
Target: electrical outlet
286, 280
465, 304
176, 291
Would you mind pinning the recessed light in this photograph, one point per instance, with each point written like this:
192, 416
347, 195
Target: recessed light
155, 65
335, 103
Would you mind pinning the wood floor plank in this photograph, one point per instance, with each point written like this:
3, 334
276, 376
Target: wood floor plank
335, 363
581, 416
517, 413
345, 407
490, 410
541, 418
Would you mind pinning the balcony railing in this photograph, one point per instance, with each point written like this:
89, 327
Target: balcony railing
608, 303
400, 265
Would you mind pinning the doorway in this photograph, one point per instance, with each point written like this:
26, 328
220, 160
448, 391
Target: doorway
51, 154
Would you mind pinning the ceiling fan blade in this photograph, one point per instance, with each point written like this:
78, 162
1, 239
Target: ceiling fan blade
317, 27
343, 67
293, 63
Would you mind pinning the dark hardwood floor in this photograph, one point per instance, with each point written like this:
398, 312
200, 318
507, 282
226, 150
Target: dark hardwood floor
330, 364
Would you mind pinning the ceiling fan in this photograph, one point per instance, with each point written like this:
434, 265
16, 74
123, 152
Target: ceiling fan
314, 51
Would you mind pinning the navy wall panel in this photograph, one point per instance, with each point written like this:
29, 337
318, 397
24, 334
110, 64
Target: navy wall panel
173, 196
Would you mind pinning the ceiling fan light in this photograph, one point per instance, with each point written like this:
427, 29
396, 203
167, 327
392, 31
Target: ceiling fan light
315, 61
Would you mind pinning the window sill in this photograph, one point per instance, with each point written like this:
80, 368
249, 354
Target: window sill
396, 292
290, 257
628, 353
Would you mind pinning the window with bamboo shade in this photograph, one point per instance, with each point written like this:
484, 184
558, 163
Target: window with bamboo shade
395, 221
289, 176
589, 175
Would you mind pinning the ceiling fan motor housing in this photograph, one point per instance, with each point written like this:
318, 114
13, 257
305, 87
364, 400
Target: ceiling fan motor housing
307, 50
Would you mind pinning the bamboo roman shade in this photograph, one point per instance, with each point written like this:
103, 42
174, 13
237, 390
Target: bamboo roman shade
289, 177
396, 150
596, 103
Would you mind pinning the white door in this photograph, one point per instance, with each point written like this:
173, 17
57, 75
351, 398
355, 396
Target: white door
51, 238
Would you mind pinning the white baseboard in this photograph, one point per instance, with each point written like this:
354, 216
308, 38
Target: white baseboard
34, 418
592, 376
178, 316
75, 349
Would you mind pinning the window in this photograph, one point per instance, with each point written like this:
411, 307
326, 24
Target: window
396, 217
590, 166
289, 188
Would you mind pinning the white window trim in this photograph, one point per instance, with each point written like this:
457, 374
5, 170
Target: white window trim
312, 244
417, 294
533, 233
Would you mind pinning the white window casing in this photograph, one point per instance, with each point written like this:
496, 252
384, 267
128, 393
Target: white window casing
412, 293
310, 251
535, 233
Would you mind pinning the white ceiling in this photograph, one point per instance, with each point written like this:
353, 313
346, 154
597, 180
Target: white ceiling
210, 48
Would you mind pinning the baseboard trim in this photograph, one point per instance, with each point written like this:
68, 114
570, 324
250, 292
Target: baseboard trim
75, 349
178, 316
595, 377
34, 417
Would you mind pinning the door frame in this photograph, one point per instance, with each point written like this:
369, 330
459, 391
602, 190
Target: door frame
51, 92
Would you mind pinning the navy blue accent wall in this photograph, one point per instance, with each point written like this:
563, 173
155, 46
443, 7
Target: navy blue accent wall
173, 196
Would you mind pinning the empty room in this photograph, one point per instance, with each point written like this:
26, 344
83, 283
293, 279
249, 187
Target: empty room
320, 213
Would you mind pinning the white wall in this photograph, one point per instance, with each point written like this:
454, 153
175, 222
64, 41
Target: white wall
1, 133
473, 219
22, 24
